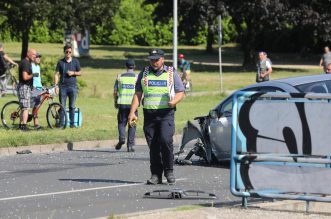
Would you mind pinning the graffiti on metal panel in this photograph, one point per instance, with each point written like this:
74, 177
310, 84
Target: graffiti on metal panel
251, 133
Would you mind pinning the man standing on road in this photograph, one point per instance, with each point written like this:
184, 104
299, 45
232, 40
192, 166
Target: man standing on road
124, 90
264, 68
162, 89
67, 69
326, 58
4, 59
24, 87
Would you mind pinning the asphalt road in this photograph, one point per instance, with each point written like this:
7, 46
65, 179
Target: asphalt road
96, 183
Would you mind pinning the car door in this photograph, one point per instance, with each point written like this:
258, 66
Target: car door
220, 130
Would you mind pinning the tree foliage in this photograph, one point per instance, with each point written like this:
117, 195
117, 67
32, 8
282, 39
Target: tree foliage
198, 15
134, 23
253, 20
61, 14
310, 22
21, 15
81, 14
272, 25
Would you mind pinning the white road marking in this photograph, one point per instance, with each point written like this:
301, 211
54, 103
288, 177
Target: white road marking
4, 171
75, 191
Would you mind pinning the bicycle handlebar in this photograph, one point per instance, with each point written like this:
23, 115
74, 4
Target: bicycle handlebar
11, 65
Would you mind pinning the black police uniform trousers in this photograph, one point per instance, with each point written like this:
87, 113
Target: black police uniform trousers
159, 128
122, 120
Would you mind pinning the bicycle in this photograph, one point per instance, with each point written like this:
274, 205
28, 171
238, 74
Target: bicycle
55, 114
187, 84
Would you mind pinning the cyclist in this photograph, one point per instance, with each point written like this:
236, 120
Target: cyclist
185, 69
4, 59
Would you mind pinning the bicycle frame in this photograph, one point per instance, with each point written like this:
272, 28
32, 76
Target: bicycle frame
45, 96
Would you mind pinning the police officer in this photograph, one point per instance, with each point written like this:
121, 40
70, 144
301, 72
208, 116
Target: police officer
162, 89
124, 90
264, 68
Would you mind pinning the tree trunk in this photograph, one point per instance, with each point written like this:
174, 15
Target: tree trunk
210, 37
249, 58
25, 43
248, 47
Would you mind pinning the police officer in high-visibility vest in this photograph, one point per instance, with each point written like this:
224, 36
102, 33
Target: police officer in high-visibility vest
162, 89
124, 90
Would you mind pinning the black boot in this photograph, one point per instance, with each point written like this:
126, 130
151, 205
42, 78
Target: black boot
130, 149
170, 177
155, 179
119, 145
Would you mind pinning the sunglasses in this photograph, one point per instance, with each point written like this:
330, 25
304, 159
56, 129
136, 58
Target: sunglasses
68, 52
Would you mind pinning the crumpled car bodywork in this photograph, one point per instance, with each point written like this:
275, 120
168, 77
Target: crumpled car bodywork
203, 137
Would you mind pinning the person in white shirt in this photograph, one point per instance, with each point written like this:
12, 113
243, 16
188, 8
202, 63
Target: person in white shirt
264, 68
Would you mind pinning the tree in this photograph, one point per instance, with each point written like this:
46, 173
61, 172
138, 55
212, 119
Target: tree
254, 18
20, 16
81, 14
73, 14
195, 17
310, 23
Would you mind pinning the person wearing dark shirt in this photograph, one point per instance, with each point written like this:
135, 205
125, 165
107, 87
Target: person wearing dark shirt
25, 86
67, 69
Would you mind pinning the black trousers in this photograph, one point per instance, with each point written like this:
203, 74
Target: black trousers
122, 121
159, 129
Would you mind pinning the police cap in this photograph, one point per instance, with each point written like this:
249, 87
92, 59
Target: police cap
156, 54
129, 63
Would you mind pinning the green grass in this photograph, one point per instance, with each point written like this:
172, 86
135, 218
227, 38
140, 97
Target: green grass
99, 72
99, 122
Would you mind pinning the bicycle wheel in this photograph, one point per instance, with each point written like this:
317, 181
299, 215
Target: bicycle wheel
10, 115
56, 116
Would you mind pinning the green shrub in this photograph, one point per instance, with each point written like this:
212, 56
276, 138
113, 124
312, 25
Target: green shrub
47, 69
229, 32
56, 36
39, 32
132, 23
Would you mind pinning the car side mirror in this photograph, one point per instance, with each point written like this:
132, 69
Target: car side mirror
213, 114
